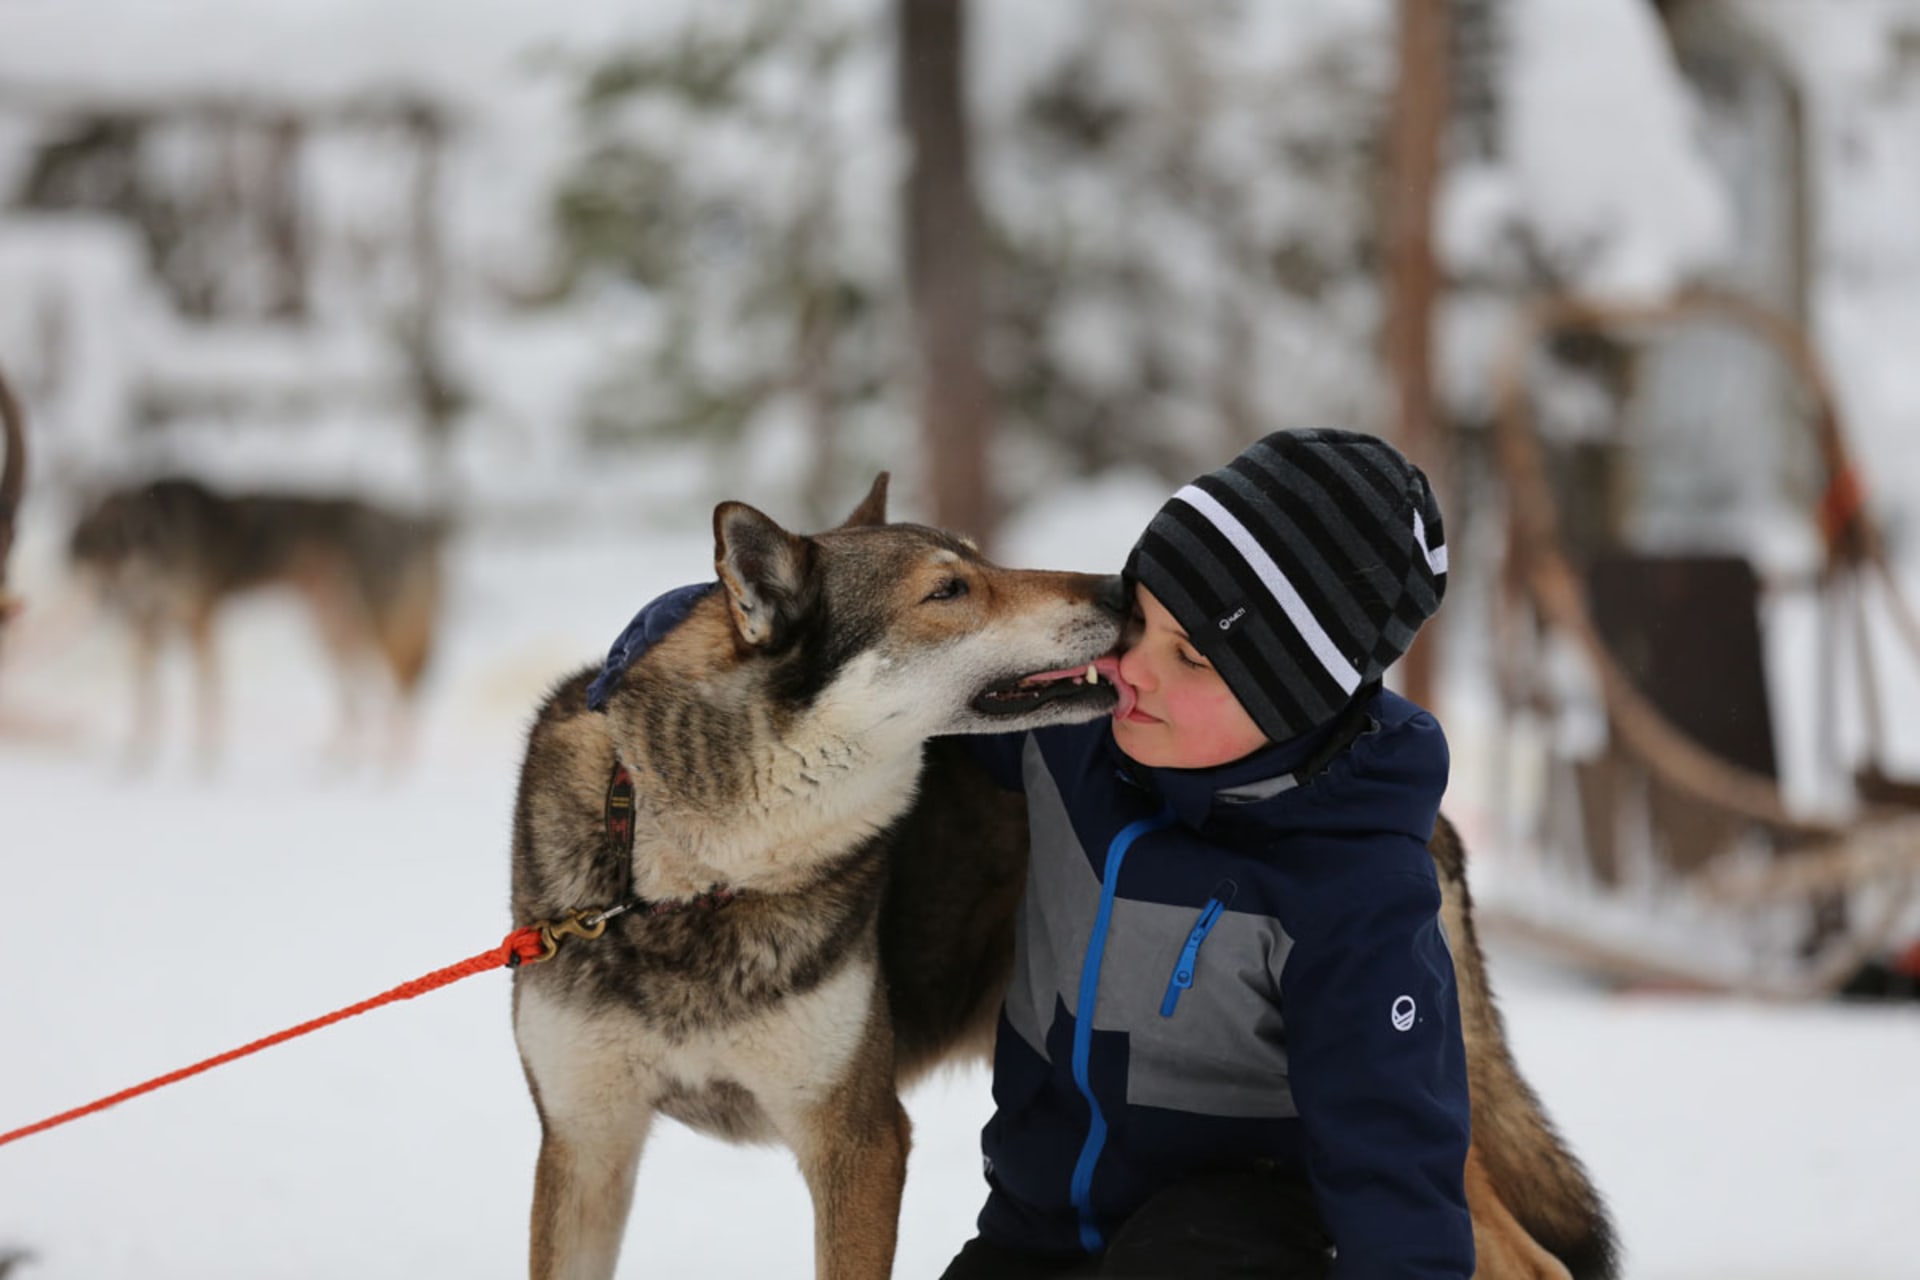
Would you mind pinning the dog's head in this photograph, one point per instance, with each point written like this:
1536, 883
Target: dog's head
113, 548
900, 628
110, 532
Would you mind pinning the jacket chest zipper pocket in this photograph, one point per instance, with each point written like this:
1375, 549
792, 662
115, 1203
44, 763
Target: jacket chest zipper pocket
1190, 953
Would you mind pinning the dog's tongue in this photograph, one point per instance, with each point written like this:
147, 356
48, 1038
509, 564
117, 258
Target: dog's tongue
1109, 669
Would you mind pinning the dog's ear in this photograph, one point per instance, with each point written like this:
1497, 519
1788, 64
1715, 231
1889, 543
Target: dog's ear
763, 568
872, 508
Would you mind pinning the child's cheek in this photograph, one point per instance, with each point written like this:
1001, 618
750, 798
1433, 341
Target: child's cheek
1203, 713
1211, 724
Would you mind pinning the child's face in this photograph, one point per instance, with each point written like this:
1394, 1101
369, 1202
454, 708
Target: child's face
1186, 717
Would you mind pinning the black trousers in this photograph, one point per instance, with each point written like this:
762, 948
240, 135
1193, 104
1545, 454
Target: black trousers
1219, 1226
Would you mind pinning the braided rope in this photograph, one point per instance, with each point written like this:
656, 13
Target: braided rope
522, 946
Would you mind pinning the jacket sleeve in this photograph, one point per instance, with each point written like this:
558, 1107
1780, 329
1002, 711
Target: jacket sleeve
1378, 1071
1000, 754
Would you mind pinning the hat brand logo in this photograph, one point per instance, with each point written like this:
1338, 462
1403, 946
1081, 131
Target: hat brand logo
1228, 621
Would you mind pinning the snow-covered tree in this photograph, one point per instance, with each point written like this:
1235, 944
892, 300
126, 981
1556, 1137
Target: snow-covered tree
733, 198
1178, 198
1184, 198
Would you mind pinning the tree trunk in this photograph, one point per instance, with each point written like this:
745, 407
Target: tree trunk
279, 214
1413, 170
13, 482
438, 395
942, 231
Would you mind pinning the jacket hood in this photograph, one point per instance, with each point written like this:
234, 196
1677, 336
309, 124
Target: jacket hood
1391, 777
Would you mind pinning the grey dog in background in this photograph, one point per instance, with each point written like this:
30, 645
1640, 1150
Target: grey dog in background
170, 554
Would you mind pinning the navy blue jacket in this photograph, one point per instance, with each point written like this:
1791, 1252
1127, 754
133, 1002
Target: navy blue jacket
1268, 983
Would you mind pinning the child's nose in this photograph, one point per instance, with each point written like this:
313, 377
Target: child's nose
1135, 669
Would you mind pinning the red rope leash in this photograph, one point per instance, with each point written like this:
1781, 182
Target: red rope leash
522, 946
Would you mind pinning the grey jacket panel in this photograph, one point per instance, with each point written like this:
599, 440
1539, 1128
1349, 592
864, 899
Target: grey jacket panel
1057, 912
1223, 1050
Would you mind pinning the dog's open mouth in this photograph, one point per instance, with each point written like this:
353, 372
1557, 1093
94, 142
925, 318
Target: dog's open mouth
1097, 686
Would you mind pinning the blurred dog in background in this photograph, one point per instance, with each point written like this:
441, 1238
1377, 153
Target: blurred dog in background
168, 554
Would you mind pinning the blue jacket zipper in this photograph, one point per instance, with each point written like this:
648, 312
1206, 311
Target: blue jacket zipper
1082, 1187
1190, 954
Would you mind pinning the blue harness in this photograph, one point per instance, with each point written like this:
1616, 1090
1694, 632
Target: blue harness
651, 625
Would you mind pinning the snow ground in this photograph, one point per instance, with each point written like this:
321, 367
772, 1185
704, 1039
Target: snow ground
159, 918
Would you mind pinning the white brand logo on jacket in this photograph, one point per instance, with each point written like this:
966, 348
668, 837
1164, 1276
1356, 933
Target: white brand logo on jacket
1403, 1013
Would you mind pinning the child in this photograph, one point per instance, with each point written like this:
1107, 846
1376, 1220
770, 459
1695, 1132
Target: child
1232, 1045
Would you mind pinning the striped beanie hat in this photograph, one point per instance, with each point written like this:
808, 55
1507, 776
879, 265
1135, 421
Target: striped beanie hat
1301, 569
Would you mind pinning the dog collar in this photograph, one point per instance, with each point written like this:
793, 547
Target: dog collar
591, 922
619, 822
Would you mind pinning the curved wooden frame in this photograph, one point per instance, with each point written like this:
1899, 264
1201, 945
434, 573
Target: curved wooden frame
1881, 843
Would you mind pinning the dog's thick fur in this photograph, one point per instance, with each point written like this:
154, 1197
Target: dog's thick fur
170, 553
778, 741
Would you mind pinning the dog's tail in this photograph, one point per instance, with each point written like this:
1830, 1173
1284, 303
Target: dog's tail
1536, 1177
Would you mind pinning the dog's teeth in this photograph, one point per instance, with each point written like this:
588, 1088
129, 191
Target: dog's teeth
1093, 674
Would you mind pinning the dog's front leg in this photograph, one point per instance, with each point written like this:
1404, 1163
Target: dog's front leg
593, 1124
582, 1194
854, 1157
207, 711
144, 734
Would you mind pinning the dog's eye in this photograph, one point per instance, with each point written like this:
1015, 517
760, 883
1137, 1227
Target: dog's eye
951, 589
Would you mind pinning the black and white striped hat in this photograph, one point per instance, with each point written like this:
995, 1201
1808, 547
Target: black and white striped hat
1302, 569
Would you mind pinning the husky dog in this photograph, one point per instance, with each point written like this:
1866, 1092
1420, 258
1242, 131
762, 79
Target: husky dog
168, 555
774, 902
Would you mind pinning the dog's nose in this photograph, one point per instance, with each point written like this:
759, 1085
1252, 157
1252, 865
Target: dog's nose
1112, 594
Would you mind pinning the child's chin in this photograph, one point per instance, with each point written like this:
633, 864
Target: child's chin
1163, 751
1141, 748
